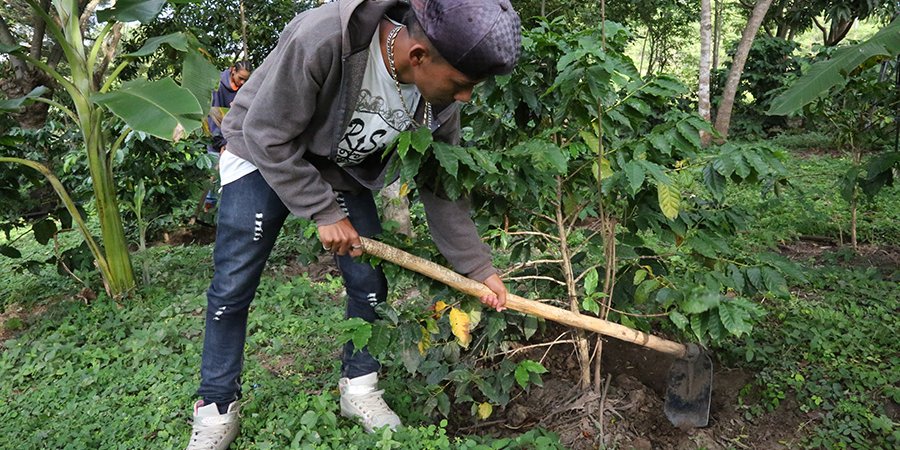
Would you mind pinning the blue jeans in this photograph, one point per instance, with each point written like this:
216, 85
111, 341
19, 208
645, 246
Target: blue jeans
250, 218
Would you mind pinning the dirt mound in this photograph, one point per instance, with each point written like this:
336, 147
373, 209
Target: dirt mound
826, 251
628, 410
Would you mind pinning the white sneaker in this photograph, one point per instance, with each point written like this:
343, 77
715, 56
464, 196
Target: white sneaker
214, 431
360, 400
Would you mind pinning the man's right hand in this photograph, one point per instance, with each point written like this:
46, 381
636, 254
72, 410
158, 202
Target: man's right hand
341, 238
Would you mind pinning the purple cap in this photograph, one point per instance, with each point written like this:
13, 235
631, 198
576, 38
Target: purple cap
477, 37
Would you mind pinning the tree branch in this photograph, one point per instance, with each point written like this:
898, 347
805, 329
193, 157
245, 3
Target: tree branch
6, 37
40, 29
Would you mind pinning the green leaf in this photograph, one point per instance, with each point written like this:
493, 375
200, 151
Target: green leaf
44, 231
714, 326
525, 368
591, 280
714, 182
159, 108
142, 11
689, 132
178, 41
403, 143
755, 277
10, 252
635, 174
9, 48
529, 327
661, 142
421, 139
13, 105
700, 302
449, 156
655, 171
740, 165
639, 276
678, 319
591, 140
736, 277
821, 77
589, 304
702, 245
643, 291
669, 200
735, 319
356, 330
775, 282
723, 164
411, 359
698, 326
200, 77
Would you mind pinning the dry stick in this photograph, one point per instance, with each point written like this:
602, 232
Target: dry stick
244, 32
517, 303
584, 357
604, 215
603, 404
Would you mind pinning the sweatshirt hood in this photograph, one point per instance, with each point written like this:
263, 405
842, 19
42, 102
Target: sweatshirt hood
225, 80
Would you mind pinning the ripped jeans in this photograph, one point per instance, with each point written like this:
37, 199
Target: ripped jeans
250, 218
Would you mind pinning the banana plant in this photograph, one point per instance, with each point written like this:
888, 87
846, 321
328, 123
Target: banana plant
160, 108
826, 75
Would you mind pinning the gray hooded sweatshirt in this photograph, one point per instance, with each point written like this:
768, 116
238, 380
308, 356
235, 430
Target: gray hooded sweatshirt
289, 116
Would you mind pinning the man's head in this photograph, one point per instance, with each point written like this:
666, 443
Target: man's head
466, 40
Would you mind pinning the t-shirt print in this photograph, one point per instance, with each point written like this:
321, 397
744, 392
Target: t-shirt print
368, 131
379, 115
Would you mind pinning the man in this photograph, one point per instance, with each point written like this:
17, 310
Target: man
306, 136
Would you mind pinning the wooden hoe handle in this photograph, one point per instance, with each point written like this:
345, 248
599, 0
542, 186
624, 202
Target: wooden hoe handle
516, 303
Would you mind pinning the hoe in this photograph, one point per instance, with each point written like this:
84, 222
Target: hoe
689, 387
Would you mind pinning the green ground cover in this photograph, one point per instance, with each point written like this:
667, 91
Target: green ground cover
96, 374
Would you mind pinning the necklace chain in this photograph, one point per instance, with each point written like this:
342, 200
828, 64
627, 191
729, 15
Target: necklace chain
392, 37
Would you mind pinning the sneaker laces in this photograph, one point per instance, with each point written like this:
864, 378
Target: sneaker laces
371, 405
209, 431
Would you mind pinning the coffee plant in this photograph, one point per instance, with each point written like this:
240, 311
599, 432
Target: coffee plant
593, 183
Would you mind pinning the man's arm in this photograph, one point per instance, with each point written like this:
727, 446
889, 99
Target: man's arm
276, 106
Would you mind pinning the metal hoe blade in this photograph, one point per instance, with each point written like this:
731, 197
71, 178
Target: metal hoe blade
689, 392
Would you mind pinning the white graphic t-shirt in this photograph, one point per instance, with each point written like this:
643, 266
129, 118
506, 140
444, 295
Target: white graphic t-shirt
378, 118
379, 115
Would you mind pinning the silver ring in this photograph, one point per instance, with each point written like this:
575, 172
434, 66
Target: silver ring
327, 249
356, 246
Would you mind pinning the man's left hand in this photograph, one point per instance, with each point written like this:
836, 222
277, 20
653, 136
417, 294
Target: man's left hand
497, 300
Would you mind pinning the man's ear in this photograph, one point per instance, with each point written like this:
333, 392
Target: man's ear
418, 53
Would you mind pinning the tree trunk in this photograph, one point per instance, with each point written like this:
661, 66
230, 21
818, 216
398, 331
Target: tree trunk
723, 116
838, 31
705, 57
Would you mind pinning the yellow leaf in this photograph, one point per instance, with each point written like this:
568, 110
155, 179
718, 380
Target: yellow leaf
606, 170
439, 306
404, 190
425, 343
669, 200
484, 410
461, 327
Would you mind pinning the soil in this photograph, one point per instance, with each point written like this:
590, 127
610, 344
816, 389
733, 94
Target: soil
630, 414
16, 318
194, 233
823, 251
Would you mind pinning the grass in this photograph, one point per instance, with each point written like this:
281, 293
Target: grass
101, 374
832, 345
104, 374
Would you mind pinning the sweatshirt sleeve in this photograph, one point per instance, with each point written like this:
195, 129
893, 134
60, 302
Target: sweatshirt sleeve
280, 108
218, 141
450, 222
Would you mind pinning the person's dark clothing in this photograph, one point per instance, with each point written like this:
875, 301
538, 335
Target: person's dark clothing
222, 97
